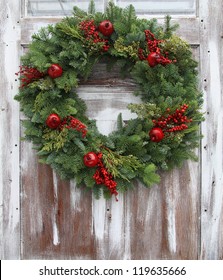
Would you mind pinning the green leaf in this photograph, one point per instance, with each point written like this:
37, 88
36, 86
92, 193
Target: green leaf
149, 176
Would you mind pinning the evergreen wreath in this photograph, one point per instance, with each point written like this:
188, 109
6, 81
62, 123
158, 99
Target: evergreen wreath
166, 130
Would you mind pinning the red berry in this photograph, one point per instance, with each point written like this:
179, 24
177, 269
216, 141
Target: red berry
106, 28
90, 159
156, 134
152, 59
53, 121
55, 71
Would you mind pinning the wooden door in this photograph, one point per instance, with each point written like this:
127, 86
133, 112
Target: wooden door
43, 217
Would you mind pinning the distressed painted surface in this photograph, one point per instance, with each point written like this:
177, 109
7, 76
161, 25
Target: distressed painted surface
212, 144
156, 223
9, 131
55, 7
181, 218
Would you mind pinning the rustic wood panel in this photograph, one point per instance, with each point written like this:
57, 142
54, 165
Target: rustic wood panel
212, 144
156, 223
181, 218
9, 131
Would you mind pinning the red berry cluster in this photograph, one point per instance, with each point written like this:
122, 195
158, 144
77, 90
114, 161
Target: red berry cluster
92, 35
155, 57
152, 42
174, 122
28, 75
54, 122
73, 123
141, 54
103, 177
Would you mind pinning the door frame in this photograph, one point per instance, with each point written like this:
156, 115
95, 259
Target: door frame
205, 31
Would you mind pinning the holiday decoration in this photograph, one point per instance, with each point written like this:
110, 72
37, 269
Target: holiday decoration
153, 58
103, 177
174, 122
93, 40
156, 134
71, 122
55, 71
91, 159
165, 130
28, 75
106, 28
53, 121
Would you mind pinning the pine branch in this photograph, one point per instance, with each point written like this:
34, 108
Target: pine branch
91, 8
168, 28
120, 123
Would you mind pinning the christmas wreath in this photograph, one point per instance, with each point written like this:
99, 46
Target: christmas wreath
166, 129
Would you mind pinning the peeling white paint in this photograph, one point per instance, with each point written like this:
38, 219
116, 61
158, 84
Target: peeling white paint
171, 230
212, 158
171, 212
109, 233
98, 216
75, 196
56, 238
116, 225
9, 127
127, 230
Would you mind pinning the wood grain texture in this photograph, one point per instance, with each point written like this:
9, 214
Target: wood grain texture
9, 131
212, 144
181, 218
157, 223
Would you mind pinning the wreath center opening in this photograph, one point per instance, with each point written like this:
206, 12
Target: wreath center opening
106, 95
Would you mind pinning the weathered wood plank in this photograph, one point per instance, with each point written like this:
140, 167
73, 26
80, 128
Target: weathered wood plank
212, 144
161, 222
56, 217
59, 221
165, 224
9, 131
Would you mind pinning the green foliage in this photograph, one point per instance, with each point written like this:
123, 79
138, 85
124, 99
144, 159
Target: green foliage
149, 176
128, 153
124, 167
54, 139
91, 8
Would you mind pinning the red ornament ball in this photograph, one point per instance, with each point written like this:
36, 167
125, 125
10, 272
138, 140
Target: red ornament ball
106, 28
53, 121
55, 71
156, 134
90, 159
152, 59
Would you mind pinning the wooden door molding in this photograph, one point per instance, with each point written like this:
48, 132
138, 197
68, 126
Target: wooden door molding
160, 223
211, 65
9, 130
182, 218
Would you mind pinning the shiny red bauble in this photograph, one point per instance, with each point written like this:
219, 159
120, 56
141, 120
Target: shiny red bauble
106, 28
55, 71
156, 134
152, 59
90, 159
53, 121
